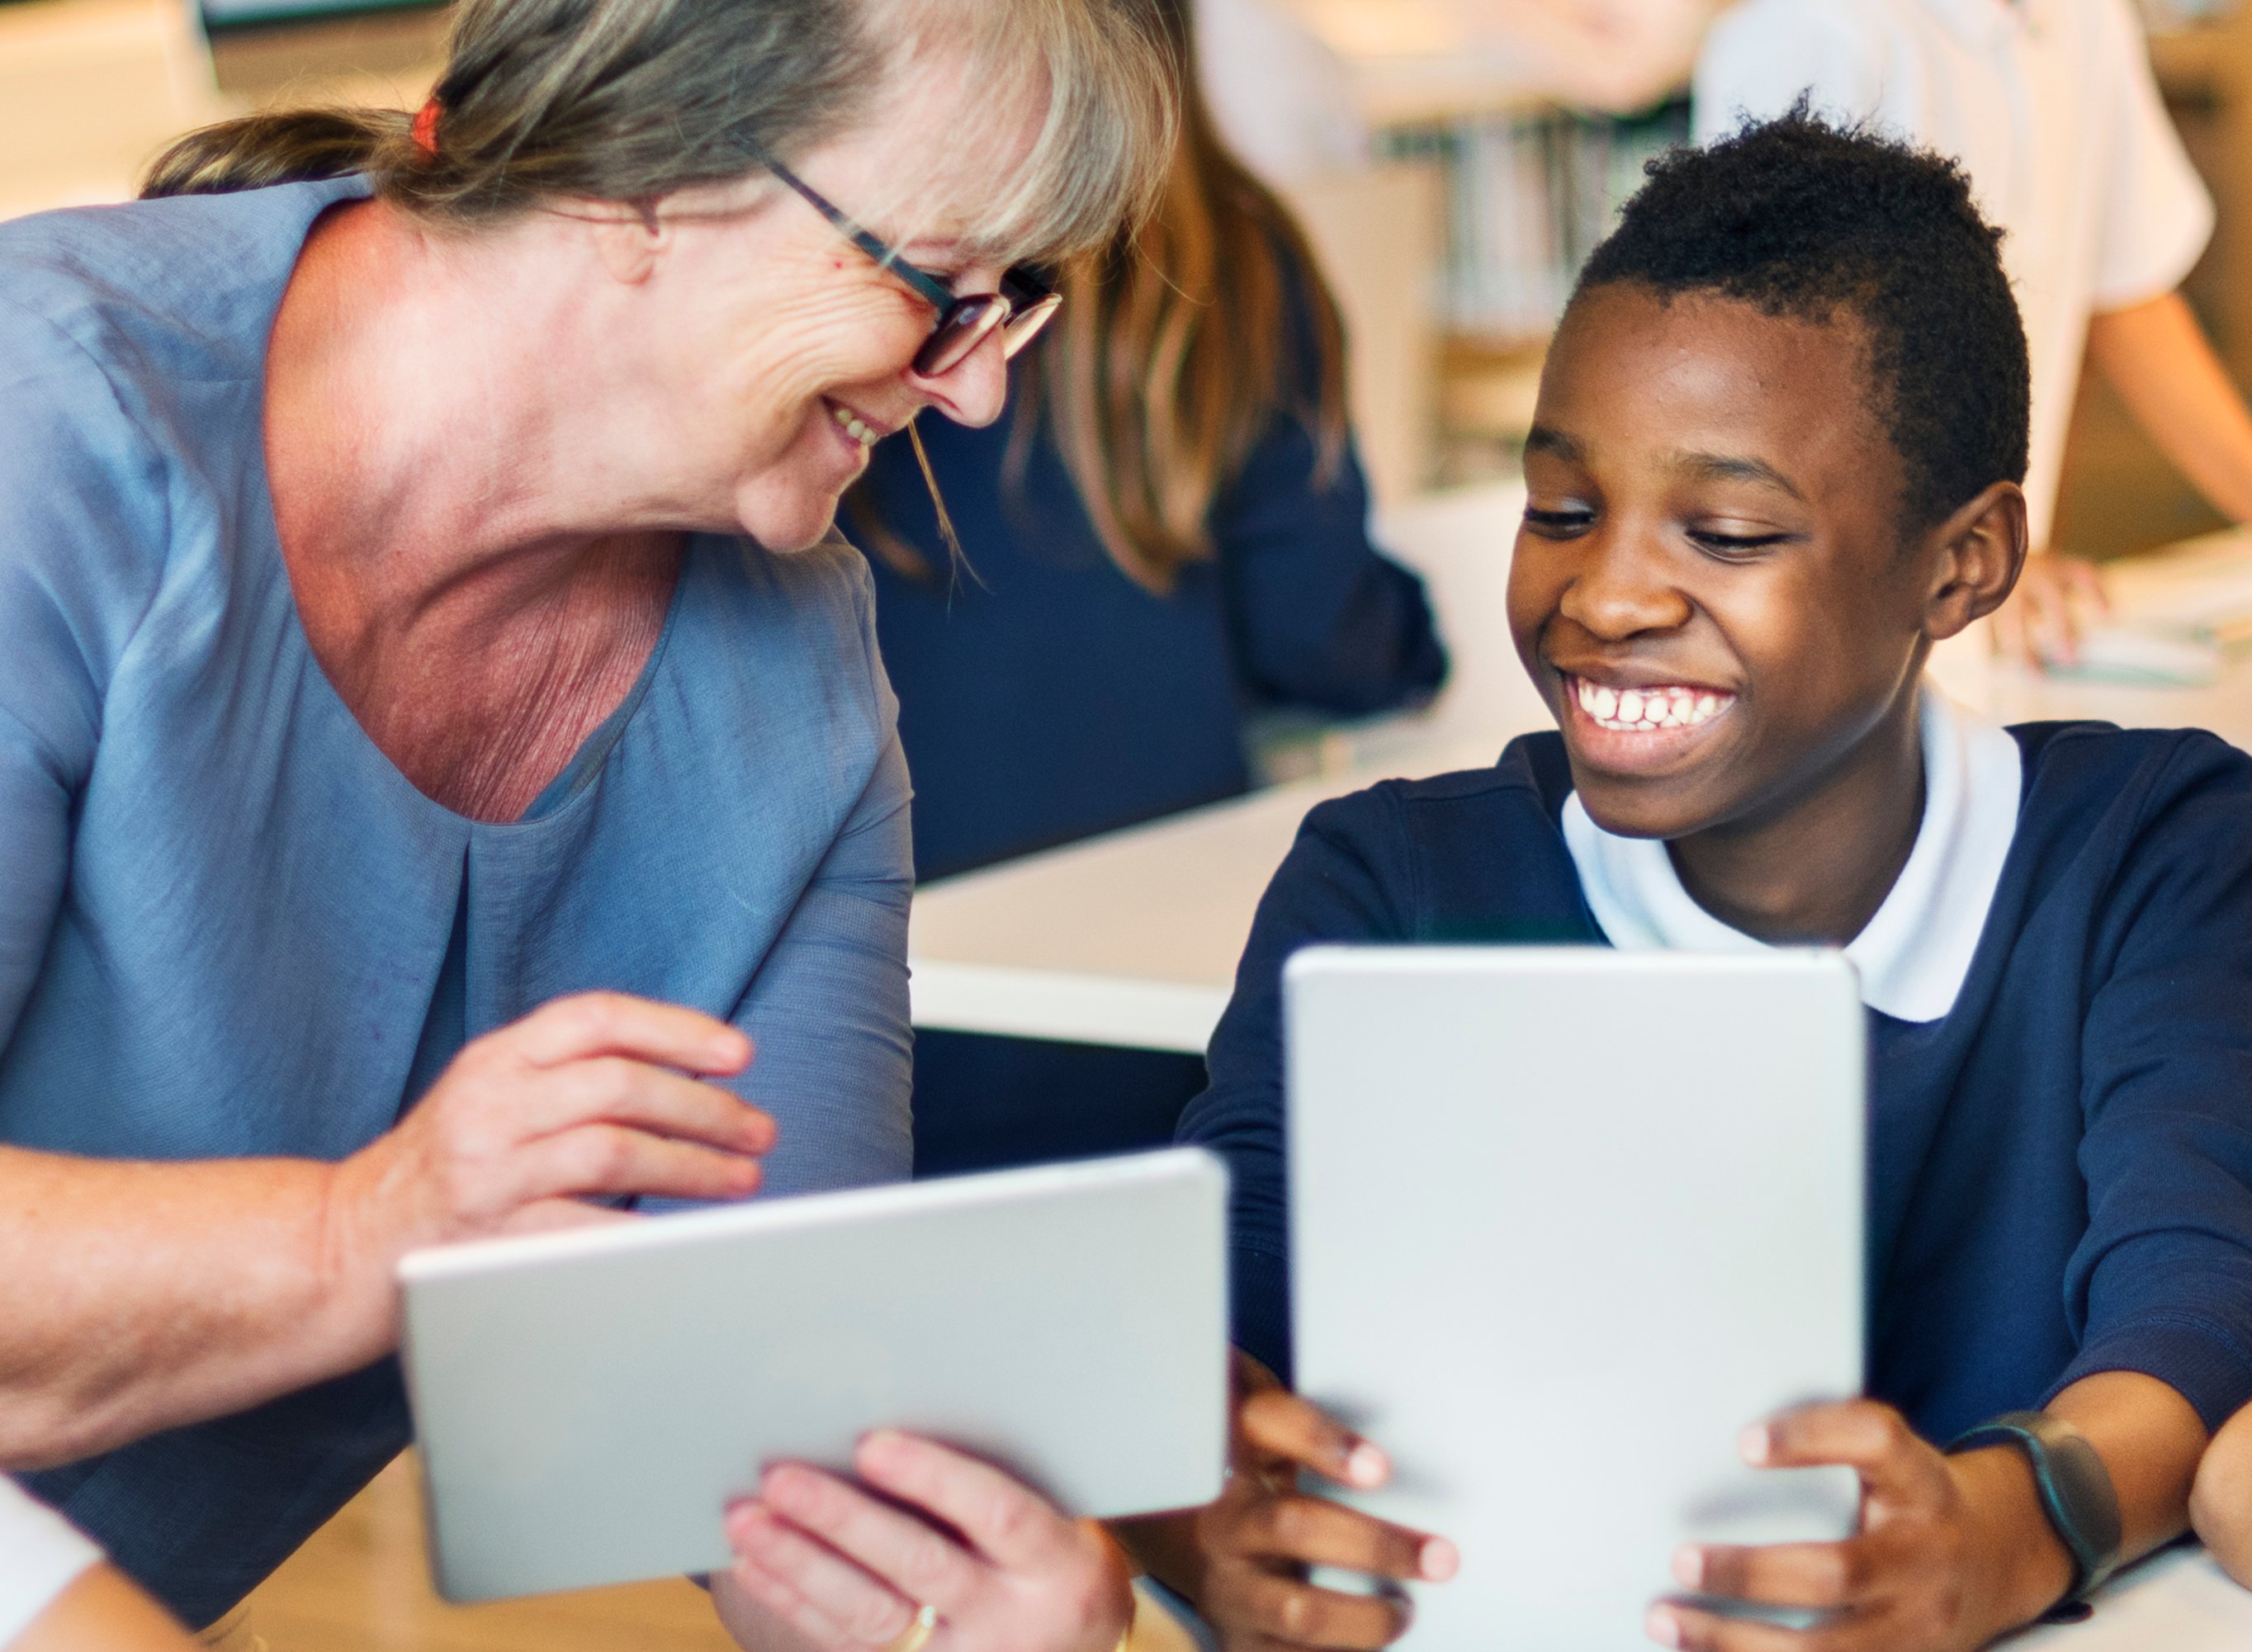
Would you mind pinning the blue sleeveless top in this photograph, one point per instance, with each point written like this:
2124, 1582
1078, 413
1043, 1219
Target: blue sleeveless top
230, 927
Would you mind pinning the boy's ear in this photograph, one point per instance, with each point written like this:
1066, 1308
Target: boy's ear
1974, 556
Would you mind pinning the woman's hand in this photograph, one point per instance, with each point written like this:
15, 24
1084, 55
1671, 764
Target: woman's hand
584, 1097
1951, 1550
2057, 598
1256, 1541
846, 1572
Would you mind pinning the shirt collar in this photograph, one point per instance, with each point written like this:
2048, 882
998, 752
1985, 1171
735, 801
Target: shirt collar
1913, 955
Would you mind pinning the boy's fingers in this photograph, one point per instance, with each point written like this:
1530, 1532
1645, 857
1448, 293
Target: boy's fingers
1298, 1615
1873, 1440
1289, 1427
1794, 1574
1311, 1531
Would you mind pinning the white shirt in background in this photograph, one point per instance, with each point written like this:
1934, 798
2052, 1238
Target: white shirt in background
1282, 96
41, 1555
1914, 954
2052, 109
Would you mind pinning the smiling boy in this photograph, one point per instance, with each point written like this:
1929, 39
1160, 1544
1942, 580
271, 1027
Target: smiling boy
1776, 458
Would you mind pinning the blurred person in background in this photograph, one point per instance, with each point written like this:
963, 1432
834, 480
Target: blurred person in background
2052, 108
1169, 531
440, 738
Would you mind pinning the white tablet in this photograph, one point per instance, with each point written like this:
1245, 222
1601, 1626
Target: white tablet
1563, 1222
588, 1403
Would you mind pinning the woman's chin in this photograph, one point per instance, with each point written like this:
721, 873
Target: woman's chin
787, 526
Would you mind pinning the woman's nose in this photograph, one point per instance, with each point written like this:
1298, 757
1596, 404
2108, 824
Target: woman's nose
974, 390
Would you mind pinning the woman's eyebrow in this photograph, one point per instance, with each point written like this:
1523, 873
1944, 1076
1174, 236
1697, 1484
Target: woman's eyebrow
1719, 466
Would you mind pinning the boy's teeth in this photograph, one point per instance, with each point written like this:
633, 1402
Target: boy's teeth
851, 425
1650, 708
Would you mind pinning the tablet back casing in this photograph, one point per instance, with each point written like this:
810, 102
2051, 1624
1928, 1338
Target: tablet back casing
1563, 1222
588, 1403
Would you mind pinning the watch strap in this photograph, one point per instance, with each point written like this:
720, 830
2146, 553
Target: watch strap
2075, 1489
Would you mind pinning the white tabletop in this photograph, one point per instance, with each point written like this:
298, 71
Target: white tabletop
1132, 938
2177, 1602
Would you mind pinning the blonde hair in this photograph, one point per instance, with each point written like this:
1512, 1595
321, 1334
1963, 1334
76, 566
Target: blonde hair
631, 101
1181, 340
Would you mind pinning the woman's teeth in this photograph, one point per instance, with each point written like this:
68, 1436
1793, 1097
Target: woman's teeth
1642, 710
850, 424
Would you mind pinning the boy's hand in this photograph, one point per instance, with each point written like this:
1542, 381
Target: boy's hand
1952, 1550
1262, 1533
2221, 1505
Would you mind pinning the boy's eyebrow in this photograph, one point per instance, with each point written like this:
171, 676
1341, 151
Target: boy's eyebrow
1717, 466
1544, 439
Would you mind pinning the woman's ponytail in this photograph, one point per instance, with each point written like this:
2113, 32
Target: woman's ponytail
293, 146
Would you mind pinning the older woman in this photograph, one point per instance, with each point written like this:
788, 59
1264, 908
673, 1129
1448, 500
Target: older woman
437, 744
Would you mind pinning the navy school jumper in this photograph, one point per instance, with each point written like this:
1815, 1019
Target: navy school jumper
1045, 697
2060, 1169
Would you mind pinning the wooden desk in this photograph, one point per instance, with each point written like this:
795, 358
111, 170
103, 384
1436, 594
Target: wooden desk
1131, 939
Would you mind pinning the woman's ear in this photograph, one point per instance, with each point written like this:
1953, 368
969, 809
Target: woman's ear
629, 235
1974, 556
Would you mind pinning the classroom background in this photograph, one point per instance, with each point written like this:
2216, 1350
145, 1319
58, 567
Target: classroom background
1452, 160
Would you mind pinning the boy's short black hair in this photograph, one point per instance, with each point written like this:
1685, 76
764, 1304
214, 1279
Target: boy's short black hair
1805, 219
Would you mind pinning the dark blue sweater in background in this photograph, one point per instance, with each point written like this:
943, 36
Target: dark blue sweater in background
1045, 697
2060, 1169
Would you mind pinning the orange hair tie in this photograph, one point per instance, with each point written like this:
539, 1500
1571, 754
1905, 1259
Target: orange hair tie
426, 127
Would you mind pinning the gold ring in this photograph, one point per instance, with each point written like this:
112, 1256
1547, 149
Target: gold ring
917, 1633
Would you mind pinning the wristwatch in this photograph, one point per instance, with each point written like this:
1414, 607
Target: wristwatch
2076, 1494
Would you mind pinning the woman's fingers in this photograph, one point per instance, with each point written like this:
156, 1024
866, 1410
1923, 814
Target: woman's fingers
921, 1564
1285, 1425
1313, 1531
864, 1609
1299, 1614
599, 1023
783, 1604
619, 1091
1008, 1522
611, 1159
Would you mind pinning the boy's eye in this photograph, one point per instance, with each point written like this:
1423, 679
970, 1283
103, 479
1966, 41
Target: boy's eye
1734, 545
1559, 523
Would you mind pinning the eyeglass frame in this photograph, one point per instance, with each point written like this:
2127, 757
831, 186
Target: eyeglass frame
1024, 310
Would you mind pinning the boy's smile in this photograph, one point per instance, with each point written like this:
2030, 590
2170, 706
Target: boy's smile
1716, 592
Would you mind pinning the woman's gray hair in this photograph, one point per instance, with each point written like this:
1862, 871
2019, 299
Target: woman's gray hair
631, 101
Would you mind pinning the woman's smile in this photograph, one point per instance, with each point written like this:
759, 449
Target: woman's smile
867, 432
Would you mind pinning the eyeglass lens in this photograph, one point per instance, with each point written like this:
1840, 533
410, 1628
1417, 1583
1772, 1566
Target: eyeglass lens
969, 321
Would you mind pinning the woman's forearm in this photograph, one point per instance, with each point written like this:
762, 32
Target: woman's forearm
139, 1297
2156, 355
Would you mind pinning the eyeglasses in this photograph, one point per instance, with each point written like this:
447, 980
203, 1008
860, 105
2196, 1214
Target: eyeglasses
965, 321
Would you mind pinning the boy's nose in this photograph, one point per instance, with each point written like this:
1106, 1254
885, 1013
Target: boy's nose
1623, 589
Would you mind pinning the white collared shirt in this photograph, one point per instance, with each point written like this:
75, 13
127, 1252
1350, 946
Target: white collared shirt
1913, 955
2052, 109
